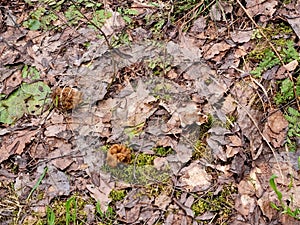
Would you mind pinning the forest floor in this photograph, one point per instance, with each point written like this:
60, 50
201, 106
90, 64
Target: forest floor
149, 112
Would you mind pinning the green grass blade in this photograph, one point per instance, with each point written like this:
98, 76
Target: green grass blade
37, 183
274, 187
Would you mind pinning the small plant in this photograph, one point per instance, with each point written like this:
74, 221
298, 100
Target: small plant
283, 207
71, 210
269, 60
293, 117
160, 65
286, 92
40, 18
37, 183
127, 14
50, 216
285, 95
107, 217
289, 53
265, 55
73, 15
99, 18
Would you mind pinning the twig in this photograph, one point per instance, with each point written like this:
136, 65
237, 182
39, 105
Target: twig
95, 25
261, 134
261, 31
273, 48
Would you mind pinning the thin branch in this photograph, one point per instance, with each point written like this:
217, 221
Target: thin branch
95, 25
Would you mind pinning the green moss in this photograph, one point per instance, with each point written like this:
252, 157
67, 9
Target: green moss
143, 159
117, 195
220, 204
156, 189
140, 170
200, 148
134, 130
163, 151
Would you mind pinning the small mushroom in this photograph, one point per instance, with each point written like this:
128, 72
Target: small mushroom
66, 98
118, 154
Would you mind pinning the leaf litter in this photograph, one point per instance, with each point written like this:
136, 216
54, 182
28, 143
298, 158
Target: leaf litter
145, 96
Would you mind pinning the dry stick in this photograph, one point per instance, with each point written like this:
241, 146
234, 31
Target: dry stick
264, 138
273, 48
256, 82
262, 33
95, 25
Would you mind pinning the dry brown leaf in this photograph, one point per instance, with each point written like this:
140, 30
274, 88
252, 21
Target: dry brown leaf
114, 24
291, 66
267, 8
231, 151
295, 24
12, 82
241, 36
219, 10
57, 183
199, 25
245, 204
195, 178
162, 201
235, 141
16, 143
275, 129
215, 49
264, 204
101, 193
160, 163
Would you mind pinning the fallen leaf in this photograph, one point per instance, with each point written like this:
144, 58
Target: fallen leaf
114, 24
219, 10
241, 36
162, 201
101, 193
195, 178
291, 66
275, 129
215, 49
57, 183
199, 25
267, 8
295, 24
245, 204
16, 143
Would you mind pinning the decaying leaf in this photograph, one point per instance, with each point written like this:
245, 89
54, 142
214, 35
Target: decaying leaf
241, 36
101, 192
215, 49
194, 178
275, 129
245, 204
15, 144
294, 22
264, 7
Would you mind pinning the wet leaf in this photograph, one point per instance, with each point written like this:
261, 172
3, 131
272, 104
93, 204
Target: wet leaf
28, 98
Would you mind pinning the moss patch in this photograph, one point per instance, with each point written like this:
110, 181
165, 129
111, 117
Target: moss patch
221, 204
